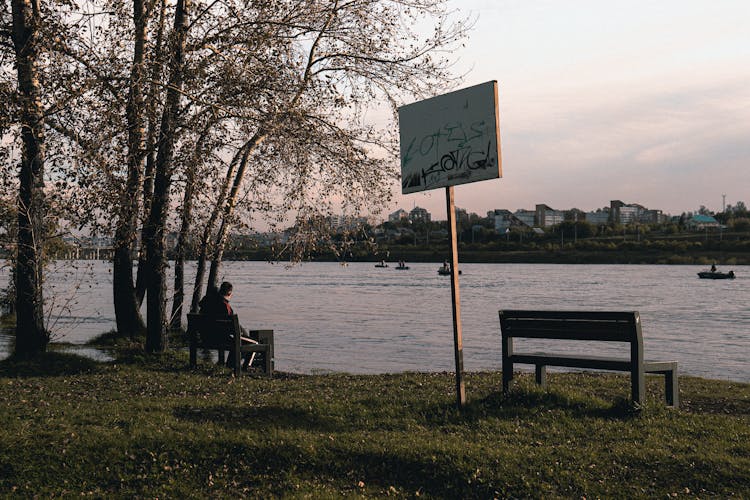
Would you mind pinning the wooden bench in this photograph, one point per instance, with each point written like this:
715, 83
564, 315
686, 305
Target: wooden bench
584, 325
221, 333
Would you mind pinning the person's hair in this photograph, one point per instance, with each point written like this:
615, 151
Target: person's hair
225, 289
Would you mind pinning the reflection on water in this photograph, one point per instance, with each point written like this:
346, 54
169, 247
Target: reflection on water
363, 319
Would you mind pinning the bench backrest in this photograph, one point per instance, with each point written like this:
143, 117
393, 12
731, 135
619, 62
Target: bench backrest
613, 326
212, 332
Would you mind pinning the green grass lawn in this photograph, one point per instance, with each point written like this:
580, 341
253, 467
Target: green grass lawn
151, 427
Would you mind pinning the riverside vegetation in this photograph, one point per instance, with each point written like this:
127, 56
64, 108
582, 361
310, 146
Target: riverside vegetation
560, 245
147, 426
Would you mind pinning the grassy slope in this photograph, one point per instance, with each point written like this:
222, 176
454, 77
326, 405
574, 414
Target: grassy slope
153, 428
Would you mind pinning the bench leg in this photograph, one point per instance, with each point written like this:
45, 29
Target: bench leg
671, 387
193, 354
268, 359
541, 375
638, 385
236, 356
507, 376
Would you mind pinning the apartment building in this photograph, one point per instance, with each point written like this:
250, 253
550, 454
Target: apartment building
398, 215
546, 216
419, 215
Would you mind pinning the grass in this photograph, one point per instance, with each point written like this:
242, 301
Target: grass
148, 426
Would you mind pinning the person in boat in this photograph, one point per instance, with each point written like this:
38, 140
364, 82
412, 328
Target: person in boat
713, 267
401, 263
216, 303
446, 266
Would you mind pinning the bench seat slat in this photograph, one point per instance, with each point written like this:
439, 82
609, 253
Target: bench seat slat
597, 362
575, 315
659, 366
594, 362
572, 332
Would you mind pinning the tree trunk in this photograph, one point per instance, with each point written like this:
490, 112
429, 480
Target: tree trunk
156, 306
127, 309
205, 244
31, 337
249, 148
221, 237
178, 297
141, 281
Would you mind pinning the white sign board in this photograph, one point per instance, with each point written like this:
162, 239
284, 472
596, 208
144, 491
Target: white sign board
450, 139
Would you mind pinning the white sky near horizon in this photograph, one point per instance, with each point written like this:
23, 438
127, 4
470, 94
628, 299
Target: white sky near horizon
643, 101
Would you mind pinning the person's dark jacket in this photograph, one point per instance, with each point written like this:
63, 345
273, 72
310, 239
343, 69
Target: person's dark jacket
215, 305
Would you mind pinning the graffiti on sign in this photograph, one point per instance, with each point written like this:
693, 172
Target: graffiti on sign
450, 139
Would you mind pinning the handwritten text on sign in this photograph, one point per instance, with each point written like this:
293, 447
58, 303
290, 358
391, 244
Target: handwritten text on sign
450, 139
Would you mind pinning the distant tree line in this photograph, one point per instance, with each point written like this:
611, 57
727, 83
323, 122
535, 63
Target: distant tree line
668, 242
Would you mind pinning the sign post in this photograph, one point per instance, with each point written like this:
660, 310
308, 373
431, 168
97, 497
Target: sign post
458, 343
447, 140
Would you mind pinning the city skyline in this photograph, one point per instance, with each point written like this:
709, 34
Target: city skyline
647, 102
573, 207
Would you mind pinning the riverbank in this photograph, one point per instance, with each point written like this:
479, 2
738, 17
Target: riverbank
150, 427
616, 254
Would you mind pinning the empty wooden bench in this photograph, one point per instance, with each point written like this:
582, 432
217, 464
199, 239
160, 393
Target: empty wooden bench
222, 334
584, 325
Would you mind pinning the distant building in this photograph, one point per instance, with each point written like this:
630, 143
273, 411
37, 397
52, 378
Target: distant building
525, 216
546, 216
462, 215
504, 219
653, 217
345, 222
598, 217
699, 222
419, 215
621, 213
398, 215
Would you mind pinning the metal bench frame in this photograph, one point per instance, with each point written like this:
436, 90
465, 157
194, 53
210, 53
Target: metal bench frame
608, 326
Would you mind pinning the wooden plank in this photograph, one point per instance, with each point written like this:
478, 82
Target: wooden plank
594, 362
458, 348
560, 332
563, 314
572, 325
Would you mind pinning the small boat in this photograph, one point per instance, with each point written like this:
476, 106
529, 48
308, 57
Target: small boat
446, 272
716, 275
381, 265
402, 268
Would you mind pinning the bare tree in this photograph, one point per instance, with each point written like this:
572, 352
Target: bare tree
127, 311
154, 230
31, 336
258, 109
340, 57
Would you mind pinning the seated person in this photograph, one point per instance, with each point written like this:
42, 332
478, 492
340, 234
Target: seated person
216, 303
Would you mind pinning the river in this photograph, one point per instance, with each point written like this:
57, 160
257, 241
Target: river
363, 319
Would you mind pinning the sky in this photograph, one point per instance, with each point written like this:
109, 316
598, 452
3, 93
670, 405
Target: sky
646, 102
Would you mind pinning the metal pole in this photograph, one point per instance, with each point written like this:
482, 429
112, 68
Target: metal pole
457, 340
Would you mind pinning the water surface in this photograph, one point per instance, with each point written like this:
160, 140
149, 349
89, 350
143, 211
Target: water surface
363, 319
